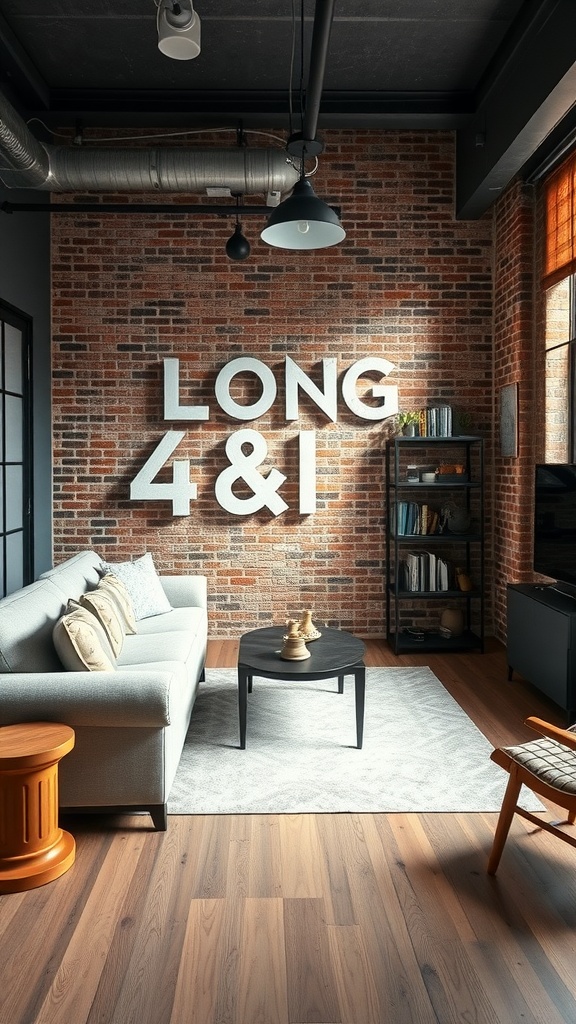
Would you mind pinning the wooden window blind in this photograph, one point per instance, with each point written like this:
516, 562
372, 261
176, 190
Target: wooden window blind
560, 256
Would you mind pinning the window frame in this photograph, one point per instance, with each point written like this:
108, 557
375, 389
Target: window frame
14, 318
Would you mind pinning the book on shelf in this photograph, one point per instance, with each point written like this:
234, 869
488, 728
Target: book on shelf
411, 518
436, 421
423, 571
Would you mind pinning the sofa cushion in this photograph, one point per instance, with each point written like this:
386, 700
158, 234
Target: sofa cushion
104, 607
143, 585
113, 585
156, 647
76, 574
190, 620
81, 643
27, 619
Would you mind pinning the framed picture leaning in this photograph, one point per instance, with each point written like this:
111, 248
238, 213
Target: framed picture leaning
509, 420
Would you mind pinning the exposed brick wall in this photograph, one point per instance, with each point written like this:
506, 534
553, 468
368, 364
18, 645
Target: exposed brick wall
409, 283
515, 348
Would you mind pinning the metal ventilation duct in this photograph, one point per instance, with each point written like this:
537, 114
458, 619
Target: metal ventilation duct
27, 163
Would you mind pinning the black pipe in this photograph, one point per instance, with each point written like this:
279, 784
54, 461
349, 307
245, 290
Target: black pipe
323, 17
205, 208
188, 208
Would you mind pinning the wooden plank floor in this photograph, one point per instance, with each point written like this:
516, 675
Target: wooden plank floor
306, 919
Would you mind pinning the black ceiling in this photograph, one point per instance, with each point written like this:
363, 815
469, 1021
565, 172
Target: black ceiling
500, 72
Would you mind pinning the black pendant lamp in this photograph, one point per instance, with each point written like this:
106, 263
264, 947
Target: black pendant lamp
237, 246
303, 221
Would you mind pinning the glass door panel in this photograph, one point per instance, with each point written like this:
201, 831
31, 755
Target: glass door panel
14, 429
14, 498
16, 562
13, 351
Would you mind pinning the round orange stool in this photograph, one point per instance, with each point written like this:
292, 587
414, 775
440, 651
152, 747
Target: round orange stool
33, 849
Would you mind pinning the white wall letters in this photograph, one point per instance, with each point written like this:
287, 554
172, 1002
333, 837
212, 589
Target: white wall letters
243, 465
325, 400
389, 393
307, 472
181, 491
226, 375
172, 408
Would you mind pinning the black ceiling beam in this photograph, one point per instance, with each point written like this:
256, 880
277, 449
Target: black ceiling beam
522, 102
136, 108
73, 103
19, 73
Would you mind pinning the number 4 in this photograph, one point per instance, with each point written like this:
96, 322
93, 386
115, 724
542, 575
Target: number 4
181, 490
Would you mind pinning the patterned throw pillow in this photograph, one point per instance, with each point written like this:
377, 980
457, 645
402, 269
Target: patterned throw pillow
143, 585
81, 643
110, 584
104, 607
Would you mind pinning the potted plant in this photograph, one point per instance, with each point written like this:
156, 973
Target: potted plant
408, 422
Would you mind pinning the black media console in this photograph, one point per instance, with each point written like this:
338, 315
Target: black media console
541, 642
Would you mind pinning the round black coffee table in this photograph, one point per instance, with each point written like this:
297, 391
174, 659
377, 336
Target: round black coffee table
334, 655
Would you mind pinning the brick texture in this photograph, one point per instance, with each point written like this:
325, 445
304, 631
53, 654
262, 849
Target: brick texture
410, 283
516, 347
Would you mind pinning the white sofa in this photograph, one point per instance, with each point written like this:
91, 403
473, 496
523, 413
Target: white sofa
130, 723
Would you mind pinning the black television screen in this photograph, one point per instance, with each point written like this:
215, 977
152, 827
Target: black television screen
555, 522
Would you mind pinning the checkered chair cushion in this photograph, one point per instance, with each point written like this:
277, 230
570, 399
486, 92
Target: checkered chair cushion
550, 761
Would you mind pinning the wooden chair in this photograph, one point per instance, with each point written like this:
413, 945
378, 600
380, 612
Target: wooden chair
547, 766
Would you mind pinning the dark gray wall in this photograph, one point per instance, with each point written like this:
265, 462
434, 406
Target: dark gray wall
25, 284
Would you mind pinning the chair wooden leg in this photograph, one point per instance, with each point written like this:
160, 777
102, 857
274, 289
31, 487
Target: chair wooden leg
571, 817
504, 821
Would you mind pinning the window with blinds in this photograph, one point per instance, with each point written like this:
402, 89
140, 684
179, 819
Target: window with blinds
560, 253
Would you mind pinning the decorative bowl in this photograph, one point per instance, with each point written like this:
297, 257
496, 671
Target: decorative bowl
308, 637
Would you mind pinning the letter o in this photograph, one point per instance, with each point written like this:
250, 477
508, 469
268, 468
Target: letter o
226, 375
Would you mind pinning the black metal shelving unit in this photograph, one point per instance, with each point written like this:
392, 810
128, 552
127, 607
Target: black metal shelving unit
464, 549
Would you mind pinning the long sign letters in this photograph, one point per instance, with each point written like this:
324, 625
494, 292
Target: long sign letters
243, 464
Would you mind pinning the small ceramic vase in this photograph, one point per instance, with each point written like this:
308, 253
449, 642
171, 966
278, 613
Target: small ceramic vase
306, 625
453, 619
463, 580
294, 648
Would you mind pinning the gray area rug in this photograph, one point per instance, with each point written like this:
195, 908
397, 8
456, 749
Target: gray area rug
421, 751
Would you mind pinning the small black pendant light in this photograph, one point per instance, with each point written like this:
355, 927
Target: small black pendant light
237, 246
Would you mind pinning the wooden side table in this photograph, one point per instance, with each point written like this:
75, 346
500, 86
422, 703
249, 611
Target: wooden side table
33, 849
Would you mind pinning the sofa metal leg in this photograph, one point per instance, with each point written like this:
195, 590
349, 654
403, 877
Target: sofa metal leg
159, 815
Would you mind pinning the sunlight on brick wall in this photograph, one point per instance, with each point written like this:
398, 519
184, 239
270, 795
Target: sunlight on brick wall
557, 336
515, 335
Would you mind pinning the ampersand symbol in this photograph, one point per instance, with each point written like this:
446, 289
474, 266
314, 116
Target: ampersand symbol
244, 467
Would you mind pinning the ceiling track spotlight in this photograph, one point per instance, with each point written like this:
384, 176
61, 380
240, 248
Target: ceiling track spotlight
237, 246
178, 29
